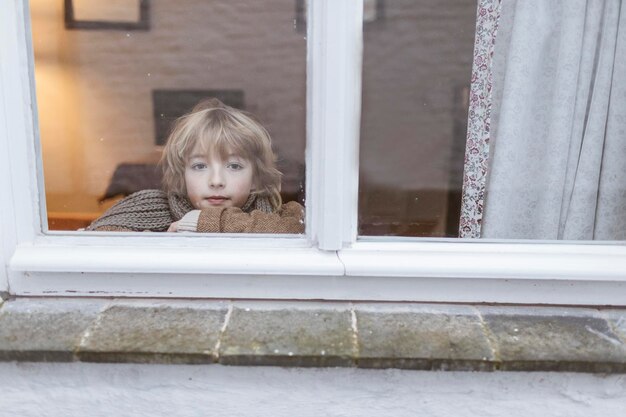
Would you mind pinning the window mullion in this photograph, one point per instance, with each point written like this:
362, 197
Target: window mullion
334, 90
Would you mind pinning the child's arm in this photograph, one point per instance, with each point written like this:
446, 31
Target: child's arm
146, 210
288, 219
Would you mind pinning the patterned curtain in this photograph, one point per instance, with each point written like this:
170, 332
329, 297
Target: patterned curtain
479, 120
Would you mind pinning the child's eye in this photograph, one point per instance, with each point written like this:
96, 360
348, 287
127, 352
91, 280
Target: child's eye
198, 166
235, 166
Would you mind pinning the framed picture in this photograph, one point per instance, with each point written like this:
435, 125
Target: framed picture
107, 15
373, 10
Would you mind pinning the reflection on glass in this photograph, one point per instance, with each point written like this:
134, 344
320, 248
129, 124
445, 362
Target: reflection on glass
107, 98
416, 75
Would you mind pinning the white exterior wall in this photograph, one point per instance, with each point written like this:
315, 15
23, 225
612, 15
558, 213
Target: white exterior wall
78, 389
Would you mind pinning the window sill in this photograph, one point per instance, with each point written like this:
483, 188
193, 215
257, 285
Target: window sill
289, 268
367, 335
183, 259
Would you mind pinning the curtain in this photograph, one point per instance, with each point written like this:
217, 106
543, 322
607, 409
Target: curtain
557, 167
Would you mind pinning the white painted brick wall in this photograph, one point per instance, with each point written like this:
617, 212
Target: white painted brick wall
78, 389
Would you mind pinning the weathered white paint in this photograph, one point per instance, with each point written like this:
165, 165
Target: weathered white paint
76, 389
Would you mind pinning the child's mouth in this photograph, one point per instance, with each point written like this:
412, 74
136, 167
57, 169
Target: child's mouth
216, 199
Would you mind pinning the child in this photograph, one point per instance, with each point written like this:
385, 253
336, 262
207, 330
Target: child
219, 175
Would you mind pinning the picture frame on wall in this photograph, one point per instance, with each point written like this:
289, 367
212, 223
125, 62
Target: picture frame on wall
107, 15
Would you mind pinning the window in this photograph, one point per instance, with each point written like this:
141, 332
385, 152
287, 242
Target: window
332, 261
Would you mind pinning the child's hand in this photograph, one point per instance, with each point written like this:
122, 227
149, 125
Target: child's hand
173, 227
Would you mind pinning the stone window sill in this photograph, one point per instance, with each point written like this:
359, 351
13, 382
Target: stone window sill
314, 334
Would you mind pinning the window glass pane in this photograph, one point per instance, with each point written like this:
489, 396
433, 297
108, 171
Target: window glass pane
112, 77
416, 76
544, 143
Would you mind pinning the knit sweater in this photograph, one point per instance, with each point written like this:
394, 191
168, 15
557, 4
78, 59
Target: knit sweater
154, 210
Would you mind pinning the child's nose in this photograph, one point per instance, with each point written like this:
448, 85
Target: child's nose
216, 179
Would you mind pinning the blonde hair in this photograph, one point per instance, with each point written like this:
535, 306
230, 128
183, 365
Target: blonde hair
222, 129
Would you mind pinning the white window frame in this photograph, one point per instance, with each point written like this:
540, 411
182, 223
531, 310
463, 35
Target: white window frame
330, 263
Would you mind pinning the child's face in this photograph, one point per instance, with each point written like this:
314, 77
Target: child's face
214, 182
